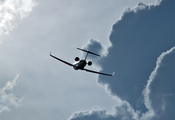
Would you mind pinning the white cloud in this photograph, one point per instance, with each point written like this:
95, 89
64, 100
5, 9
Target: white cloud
147, 90
7, 99
13, 10
123, 111
140, 6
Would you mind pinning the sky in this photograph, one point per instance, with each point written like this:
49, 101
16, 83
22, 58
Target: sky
136, 39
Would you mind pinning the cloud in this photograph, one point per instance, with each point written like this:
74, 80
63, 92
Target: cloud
154, 104
94, 45
121, 112
142, 54
13, 10
159, 92
7, 99
137, 40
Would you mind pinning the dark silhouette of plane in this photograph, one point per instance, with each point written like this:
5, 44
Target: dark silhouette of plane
80, 64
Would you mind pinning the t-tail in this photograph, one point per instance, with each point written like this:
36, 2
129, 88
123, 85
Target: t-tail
88, 52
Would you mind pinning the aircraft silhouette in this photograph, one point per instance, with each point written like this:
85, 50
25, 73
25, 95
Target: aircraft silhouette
80, 64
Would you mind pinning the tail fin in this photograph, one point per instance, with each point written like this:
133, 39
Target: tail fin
88, 51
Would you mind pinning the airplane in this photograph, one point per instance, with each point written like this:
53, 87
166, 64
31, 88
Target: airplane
80, 64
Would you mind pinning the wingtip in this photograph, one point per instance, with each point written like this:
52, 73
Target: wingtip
50, 53
79, 48
113, 73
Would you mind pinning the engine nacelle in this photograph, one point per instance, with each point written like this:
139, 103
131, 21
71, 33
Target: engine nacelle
77, 59
89, 63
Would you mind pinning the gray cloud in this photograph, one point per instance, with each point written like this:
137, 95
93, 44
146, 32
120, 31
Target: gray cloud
121, 112
96, 47
159, 92
140, 54
138, 39
51, 89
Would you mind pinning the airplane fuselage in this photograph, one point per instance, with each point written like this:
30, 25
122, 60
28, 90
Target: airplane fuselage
80, 65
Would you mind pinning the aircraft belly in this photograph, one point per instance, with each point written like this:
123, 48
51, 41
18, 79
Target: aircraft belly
79, 65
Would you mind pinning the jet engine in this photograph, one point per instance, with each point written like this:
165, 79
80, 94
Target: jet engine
89, 63
77, 59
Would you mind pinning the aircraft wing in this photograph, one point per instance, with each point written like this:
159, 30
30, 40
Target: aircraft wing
61, 60
99, 72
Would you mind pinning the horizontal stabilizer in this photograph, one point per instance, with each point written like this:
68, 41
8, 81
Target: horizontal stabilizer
88, 51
